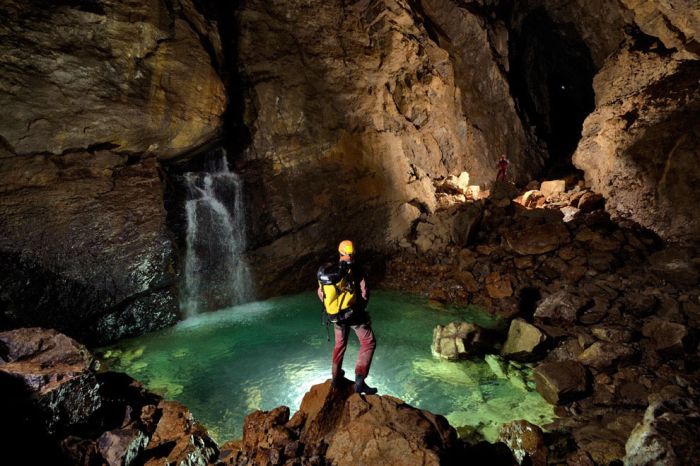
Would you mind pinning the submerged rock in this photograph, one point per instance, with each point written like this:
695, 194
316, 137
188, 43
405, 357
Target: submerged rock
460, 340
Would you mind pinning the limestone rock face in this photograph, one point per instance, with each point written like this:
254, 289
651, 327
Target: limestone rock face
84, 74
99, 265
346, 128
92, 93
640, 146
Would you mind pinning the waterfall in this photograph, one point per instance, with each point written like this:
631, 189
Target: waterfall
216, 274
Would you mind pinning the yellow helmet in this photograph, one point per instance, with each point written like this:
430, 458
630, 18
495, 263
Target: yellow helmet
345, 248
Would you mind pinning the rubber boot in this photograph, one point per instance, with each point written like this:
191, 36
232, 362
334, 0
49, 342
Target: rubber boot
362, 387
337, 381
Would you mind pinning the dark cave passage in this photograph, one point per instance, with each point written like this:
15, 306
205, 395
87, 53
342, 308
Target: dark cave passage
551, 78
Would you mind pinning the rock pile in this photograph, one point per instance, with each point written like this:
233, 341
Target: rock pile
59, 410
608, 315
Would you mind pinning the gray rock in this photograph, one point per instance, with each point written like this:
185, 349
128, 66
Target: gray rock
667, 436
120, 447
523, 342
562, 307
459, 340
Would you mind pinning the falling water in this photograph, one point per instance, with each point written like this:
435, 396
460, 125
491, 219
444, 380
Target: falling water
216, 273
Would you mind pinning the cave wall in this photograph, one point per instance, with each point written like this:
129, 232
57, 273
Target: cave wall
94, 94
354, 111
341, 117
640, 146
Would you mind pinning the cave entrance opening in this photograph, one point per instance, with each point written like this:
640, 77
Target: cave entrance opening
551, 77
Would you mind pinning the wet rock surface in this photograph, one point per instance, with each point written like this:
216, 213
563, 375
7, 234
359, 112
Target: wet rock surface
59, 410
337, 426
93, 94
617, 331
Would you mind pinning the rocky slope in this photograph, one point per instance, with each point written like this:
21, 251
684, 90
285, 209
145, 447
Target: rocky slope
609, 317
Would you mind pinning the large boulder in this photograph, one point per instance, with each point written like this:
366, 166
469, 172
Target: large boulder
524, 341
668, 434
54, 371
460, 340
562, 381
562, 307
538, 238
632, 133
337, 426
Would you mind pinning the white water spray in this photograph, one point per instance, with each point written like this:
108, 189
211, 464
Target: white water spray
216, 273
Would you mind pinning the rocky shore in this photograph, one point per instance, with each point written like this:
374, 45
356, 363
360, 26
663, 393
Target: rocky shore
606, 312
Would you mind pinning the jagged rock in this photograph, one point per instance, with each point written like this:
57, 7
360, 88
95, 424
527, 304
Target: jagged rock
447, 227
499, 285
613, 334
525, 440
561, 382
524, 340
56, 371
552, 188
538, 239
457, 184
603, 355
460, 340
340, 427
121, 446
669, 337
563, 307
570, 213
178, 438
628, 120
667, 435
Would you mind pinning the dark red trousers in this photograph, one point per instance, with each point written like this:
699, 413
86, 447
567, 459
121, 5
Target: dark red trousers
364, 356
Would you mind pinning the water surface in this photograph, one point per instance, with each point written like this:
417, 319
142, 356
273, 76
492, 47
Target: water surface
225, 364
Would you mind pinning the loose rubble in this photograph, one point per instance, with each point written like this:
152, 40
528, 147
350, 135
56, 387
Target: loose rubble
608, 314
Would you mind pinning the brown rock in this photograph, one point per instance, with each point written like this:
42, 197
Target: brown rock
499, 286
669, 338
121, 446
676, 266
552, 188
603, 355
589, 202
56, 371
561, 382
178, 437
525, 440
538, 239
